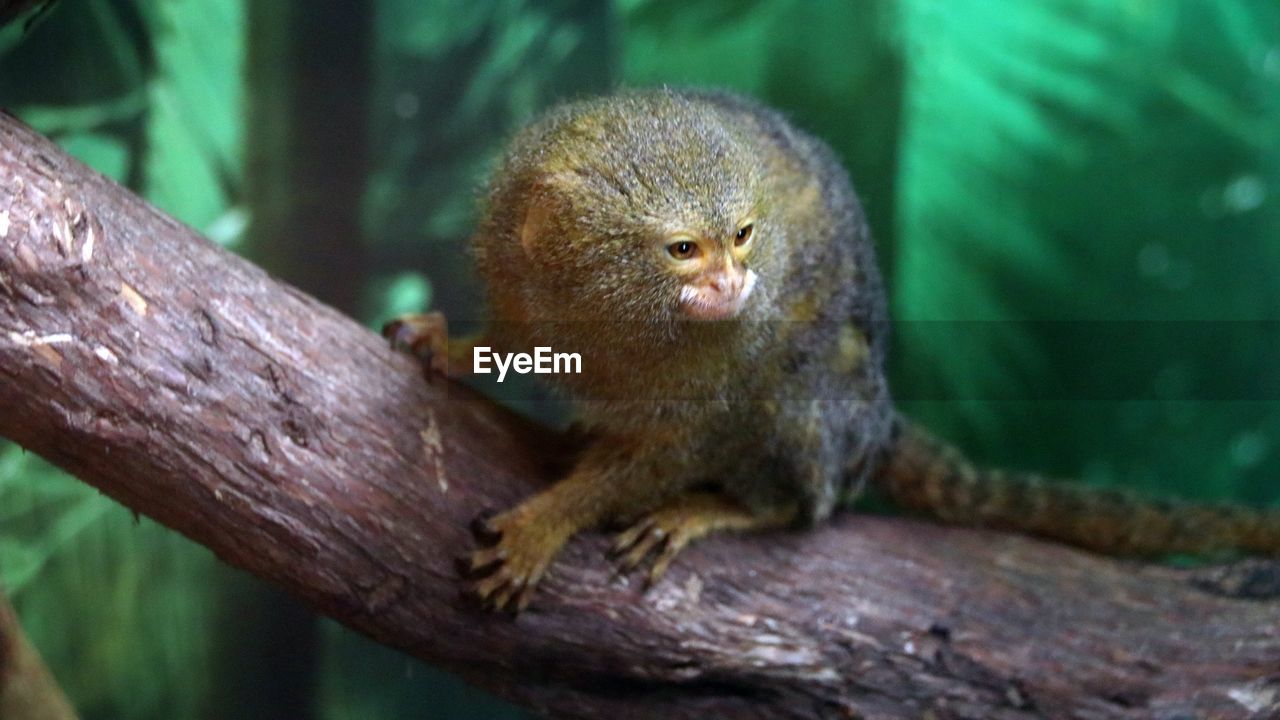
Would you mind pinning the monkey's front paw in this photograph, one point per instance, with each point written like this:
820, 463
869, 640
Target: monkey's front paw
424, 336
520, 550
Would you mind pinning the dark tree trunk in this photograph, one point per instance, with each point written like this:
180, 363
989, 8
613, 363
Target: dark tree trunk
187, 384
307, 143
307, 160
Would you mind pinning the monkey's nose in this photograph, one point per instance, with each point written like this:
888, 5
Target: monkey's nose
719, 296
726, 284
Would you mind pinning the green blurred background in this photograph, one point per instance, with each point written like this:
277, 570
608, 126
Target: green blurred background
1077, 203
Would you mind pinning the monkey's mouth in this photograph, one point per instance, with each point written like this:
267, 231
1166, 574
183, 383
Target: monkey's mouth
717, 300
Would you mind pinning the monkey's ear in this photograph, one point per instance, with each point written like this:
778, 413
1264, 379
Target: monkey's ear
536, 215
545, 195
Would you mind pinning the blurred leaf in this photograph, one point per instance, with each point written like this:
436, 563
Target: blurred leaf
143, 91
228, 229
447, 95
183, 176
399, 294
81, 68
1091, 160
55, 119
193, 162
34, 10
19, 563
106, 154
702, 43
113, 604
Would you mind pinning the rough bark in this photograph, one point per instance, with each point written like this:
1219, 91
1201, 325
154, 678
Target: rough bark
27, 690
184, 382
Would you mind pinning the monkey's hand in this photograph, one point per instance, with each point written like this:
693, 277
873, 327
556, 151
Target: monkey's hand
522, 542
688, 517
426, 337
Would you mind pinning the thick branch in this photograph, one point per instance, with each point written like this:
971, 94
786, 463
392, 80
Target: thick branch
191, 387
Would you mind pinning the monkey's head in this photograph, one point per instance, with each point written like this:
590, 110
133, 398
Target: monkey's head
651, 209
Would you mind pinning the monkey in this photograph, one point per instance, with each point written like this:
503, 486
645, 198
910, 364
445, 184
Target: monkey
712, 265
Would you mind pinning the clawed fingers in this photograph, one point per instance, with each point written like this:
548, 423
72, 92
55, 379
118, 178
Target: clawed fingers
485, 559
508, 588
670, 549
485, 529
645, 538
396, 332
651, 539
423, 336
627, 538
509, 566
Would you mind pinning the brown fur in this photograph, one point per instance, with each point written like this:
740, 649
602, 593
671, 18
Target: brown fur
765, 418
928, 476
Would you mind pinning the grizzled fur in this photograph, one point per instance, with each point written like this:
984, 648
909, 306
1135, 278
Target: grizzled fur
768, 416
787, 401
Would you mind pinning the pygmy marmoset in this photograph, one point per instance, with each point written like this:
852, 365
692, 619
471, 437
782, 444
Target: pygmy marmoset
712, 266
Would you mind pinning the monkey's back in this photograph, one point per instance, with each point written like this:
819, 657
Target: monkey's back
830, 328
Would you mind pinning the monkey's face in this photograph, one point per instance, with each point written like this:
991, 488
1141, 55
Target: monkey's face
651, 215
714, 279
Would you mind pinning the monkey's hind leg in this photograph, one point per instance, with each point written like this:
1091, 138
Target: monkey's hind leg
688, 517
426, 337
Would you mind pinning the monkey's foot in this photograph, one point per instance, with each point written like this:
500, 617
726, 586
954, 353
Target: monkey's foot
521, 546
425, 336
670, 528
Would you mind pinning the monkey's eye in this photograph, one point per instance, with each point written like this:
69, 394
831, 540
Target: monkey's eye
683, 249
743, 236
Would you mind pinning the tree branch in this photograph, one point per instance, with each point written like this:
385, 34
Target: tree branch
185, 383
27, 690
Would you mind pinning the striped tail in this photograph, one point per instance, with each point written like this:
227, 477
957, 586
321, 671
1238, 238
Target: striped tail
925, 475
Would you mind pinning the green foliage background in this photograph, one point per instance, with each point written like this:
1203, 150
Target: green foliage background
1029, 169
